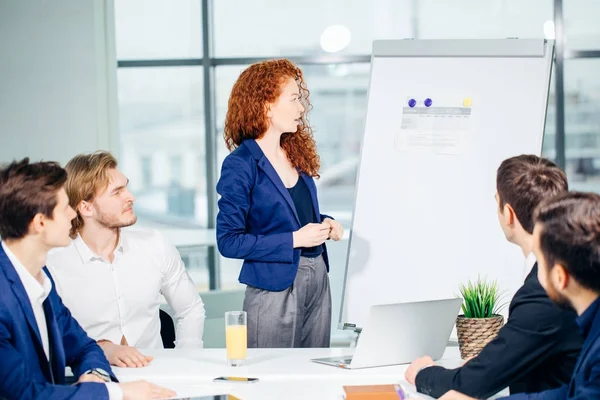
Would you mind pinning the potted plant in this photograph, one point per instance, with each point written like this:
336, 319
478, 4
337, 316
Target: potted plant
480, 321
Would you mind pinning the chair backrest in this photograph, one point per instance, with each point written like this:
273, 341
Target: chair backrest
167, 330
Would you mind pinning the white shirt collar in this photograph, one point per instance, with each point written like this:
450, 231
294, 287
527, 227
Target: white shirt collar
88, 255
36, 291
529, 263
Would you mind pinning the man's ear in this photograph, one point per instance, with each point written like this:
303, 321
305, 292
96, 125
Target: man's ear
37, 224
560, 277
85, 208
509, 215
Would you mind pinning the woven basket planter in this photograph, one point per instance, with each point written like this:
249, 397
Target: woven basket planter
475, 333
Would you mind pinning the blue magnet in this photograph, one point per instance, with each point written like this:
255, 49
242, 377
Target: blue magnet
428, 102
412, 103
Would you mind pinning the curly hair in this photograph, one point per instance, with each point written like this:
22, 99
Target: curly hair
246, 118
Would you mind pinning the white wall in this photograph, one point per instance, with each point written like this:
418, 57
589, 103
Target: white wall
57, 78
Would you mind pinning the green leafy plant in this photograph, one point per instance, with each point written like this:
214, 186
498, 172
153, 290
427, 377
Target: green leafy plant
481, 299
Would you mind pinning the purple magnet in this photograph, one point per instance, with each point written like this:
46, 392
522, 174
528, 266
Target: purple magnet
412, 103
428, 102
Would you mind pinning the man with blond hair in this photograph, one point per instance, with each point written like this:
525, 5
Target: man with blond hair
112, 278
38, 335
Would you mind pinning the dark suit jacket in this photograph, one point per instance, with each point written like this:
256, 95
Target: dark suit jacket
257, 218
25, 372
535, 350
585, 383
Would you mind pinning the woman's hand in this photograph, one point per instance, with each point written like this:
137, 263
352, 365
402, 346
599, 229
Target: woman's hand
337, 230
311, 235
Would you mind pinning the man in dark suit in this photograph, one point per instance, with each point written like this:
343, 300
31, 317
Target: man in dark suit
38, 335
538, 346
567, 246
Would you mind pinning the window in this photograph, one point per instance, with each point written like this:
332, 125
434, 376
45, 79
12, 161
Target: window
582, 31
158, 29
176, 169
582, 126
146, 172
490, 19
161, 113
279, 28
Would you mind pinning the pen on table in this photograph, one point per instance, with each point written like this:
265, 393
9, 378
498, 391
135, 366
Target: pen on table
400, 392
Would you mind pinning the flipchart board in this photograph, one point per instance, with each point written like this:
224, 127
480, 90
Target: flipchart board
441, 117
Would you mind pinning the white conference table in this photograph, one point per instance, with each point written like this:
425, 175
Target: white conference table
282, 373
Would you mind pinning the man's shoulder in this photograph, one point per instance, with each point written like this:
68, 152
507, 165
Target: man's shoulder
530, 290
532, 302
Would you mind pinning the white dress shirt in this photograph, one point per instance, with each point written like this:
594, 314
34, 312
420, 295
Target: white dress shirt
529, 263
38, 293
122, 298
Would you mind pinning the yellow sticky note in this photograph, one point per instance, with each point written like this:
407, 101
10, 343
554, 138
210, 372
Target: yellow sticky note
467, 102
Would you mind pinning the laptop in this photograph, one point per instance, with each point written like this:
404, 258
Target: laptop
399, 333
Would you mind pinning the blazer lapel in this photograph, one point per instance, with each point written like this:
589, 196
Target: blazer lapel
20, 293
25, 304
23, 300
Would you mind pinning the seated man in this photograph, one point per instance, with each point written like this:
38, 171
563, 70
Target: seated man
112, 279
539, 345
38, 335
567, 246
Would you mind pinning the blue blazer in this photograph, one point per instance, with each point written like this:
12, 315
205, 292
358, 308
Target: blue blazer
25, 372
585, 382
257, 218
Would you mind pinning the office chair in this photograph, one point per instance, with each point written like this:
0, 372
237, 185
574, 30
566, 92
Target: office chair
167, 330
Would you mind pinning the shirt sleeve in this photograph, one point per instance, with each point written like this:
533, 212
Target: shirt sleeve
182, 296
114, 391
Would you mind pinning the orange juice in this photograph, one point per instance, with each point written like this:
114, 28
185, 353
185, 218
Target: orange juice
236, 341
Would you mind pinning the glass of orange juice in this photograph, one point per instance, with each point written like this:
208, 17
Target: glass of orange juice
236, 337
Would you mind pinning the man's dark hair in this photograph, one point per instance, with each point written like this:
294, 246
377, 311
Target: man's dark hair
524, 181
27, 189
570, 235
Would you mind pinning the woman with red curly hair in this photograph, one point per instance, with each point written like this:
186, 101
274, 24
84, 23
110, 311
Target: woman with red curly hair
269, 213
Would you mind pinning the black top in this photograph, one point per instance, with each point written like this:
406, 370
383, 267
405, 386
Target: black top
536, 350
306, 214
